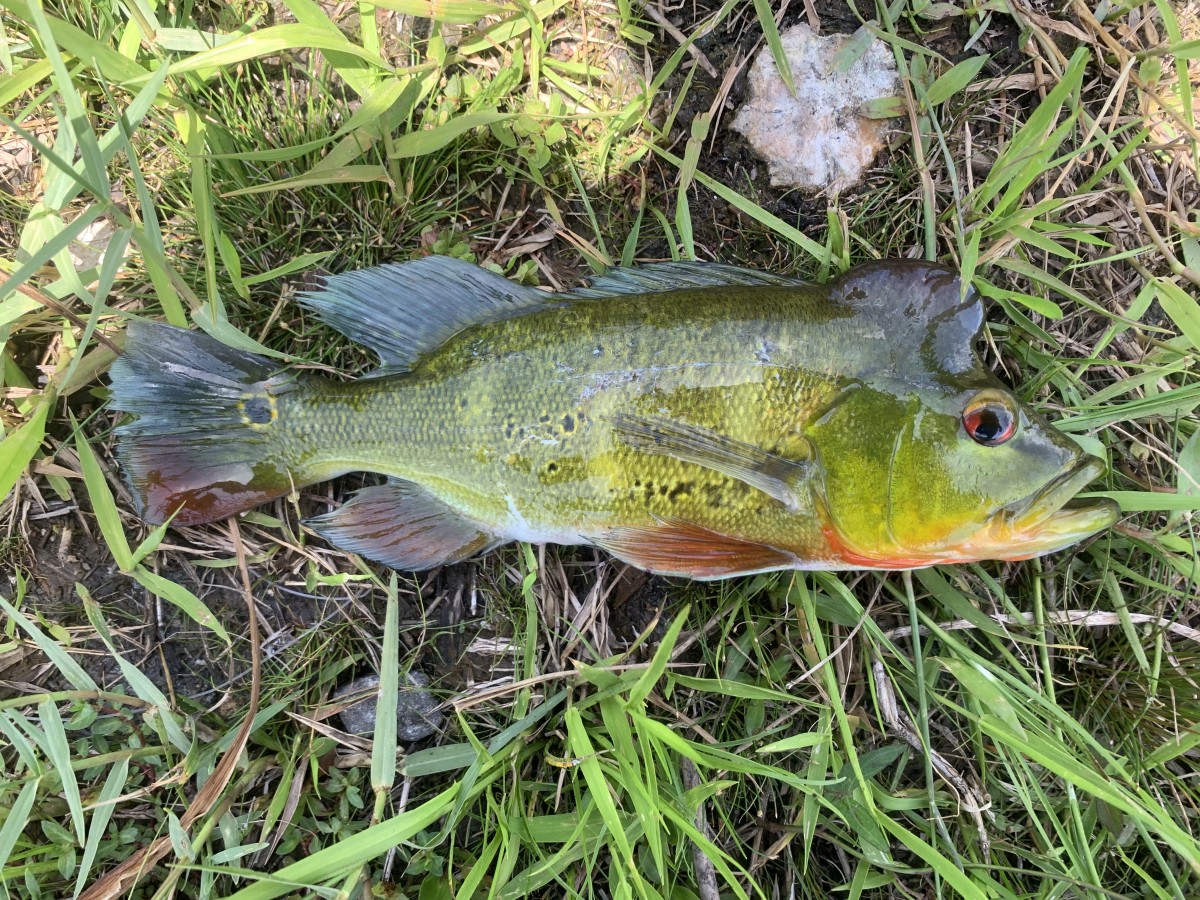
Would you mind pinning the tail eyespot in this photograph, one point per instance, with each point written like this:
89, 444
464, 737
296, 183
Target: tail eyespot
258, 410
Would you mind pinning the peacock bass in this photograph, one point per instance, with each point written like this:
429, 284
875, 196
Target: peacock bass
691, 419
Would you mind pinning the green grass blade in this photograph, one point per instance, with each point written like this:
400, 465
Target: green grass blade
58, 749
104, 808
383, 748
1183, 309
271, 41
19, 446
426, 142
181, 597
103, 505
766, 19
67, 667
17, 818
345, 175
142, 686
338, 858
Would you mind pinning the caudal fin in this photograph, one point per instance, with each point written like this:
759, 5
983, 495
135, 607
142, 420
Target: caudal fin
204, 444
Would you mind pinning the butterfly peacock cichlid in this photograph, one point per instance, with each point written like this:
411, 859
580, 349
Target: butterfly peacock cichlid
691, 419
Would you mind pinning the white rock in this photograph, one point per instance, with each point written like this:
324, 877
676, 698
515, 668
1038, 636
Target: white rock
817, 140
88, 249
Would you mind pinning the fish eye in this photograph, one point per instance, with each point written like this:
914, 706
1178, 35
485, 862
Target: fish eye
989, 418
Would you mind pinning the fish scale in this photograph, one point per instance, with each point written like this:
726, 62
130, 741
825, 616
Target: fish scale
724, 422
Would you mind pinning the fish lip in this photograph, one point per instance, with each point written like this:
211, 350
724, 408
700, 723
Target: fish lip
1054, 517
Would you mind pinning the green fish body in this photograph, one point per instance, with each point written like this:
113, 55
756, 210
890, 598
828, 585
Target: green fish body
691, 419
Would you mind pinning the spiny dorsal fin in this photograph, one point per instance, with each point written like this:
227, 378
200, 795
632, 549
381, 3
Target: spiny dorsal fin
922, 305
406, 309
658, 278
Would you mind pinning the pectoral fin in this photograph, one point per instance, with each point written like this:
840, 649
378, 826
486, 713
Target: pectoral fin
402, 525
675, 547
776, 476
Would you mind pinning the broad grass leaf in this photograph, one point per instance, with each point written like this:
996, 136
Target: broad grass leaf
945, 868
1173, 748
435, 760
658, 665
103, 505
337, 858
187, 602
66, 666
1188, 478
138, 681
102, 811
954, 80
102, 59
383, 746
766, 20
1183, 309
953, 601
44, 238
225, 332
1039, 305
356, 174
431, 140
17, 818
1023, 159
1149, 501
989, 693
754, 211
271, 41
19, 446
582, 747
1178, 401
795, 742
58, 749
299, 264
1057, 759
452, 12
190, 40
17, 83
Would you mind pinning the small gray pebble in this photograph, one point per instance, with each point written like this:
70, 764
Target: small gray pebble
416, 707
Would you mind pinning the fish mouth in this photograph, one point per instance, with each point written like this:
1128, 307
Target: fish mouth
1053, 518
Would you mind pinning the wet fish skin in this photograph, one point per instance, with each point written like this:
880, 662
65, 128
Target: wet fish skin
739, 422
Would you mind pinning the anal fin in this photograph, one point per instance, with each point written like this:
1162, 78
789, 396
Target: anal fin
675, 547
402, 525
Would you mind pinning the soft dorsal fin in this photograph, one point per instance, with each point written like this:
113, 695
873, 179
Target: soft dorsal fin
921, 304
658, 278
403, 310
776, 476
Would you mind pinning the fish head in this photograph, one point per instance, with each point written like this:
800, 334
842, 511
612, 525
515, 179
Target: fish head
931, 459
939, 477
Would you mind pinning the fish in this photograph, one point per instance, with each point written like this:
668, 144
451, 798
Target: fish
691, 419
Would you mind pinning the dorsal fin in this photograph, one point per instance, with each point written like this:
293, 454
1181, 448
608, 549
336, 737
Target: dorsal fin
921, 304
403, 310
657, 278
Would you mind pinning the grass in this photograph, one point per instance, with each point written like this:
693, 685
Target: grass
166, 717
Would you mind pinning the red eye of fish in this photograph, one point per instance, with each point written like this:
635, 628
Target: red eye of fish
989, 420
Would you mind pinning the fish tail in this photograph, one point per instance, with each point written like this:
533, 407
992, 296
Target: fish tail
205, 443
